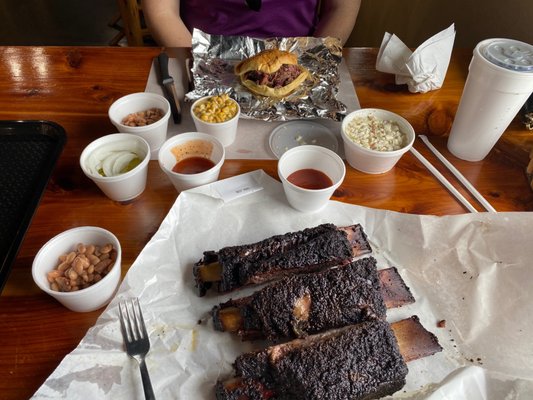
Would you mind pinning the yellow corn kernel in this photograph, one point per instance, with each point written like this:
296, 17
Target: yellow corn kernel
216, 109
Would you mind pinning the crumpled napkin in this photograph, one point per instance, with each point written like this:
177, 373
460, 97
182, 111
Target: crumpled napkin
423, 69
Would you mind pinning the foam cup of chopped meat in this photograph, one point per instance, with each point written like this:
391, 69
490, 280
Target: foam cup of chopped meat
144, 114
375, 140
310, 175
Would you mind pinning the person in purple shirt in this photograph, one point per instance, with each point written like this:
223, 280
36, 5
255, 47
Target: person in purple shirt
172, 21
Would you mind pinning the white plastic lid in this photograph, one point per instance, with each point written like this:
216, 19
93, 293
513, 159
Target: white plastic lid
510, 54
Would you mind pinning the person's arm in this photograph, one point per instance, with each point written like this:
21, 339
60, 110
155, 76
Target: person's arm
165, 24
337, 18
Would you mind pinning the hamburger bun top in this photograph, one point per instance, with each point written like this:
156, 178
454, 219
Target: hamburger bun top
268, 61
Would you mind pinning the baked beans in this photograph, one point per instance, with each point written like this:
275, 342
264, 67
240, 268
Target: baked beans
82, 267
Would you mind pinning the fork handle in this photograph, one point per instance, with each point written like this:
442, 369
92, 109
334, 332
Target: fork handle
147, 384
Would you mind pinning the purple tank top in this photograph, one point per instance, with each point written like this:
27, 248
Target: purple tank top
283, 18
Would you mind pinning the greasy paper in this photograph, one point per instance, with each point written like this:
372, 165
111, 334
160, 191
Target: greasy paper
473, 271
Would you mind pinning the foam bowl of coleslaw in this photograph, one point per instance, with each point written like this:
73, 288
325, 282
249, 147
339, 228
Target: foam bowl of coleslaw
375, 139
118, 164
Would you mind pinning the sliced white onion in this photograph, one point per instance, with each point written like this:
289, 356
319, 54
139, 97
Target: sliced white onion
122, 161
108, 161
112, 158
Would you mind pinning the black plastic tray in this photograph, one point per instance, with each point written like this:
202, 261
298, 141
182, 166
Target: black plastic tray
28, 153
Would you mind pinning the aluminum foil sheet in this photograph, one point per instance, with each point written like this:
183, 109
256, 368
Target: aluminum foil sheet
215, 56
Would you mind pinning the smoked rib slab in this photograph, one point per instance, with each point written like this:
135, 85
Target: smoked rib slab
363, 361
304, 304
308, 250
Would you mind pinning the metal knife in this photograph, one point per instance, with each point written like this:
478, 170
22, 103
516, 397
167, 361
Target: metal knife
167, 82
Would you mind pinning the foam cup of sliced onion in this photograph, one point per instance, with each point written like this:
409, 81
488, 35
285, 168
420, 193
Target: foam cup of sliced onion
118, 164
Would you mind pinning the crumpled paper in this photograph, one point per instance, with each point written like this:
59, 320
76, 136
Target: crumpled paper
423, 69
468, 270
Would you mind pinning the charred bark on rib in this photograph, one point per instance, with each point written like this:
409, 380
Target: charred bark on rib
310, 303
307, 250
357, 362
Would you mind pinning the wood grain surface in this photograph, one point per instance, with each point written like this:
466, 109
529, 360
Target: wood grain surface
75, 87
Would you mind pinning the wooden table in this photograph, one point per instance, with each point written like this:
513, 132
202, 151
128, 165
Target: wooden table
75, 86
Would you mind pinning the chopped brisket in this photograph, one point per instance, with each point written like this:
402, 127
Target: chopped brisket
356, 362
282, 77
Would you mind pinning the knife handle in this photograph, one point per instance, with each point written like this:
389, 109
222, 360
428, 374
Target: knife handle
163, 65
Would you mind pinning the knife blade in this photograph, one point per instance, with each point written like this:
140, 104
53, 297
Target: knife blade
169, 89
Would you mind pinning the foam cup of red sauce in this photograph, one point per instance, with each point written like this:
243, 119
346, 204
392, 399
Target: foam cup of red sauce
310, 175
191, 159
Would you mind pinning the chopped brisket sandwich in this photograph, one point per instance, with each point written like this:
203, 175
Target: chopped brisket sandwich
304, 251
304, 304
272, 73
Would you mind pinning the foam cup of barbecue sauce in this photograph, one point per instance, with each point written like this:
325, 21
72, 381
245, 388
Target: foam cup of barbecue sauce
310, 175
191, 159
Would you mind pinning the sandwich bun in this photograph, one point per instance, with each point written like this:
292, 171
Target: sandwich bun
269, 62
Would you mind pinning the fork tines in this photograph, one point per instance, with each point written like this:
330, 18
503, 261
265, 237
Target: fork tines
131, 320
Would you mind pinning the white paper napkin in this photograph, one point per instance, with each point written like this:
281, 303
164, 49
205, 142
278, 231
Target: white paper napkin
422, 70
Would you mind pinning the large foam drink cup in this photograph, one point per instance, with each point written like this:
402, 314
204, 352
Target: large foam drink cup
500, 79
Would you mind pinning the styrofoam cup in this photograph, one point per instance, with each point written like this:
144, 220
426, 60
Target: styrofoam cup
500, 80
156, 133
122, 187
191, 144
225, 132
310, 157
92, 297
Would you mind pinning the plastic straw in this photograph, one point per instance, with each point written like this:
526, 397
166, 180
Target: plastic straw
443, 180
458, 175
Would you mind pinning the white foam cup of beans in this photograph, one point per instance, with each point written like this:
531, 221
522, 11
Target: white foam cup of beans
96, 294
225, 130
132, 109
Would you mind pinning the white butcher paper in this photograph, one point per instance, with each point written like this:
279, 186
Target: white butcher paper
472, 271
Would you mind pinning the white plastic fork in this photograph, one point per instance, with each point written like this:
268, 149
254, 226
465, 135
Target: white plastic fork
136, 339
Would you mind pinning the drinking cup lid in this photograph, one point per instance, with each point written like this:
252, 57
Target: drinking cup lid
510, 54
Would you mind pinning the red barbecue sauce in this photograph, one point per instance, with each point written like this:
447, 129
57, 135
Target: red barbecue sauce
309, 178
193, 165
